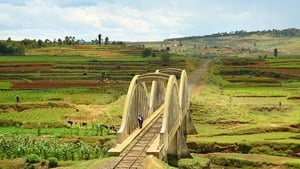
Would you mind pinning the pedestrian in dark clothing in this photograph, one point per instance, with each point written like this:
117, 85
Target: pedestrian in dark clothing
140, 121
17, 99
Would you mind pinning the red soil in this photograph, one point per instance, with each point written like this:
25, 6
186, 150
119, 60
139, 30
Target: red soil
57, 84
14, 67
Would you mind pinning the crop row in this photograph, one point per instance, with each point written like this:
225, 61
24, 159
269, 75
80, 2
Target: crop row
16, 147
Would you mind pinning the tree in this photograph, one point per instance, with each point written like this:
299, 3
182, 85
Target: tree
275, 52
72, 39
59, 41
106, 40
8, 39
40, 43
147, 52
165, 57
68, 40
99, 39
47, 41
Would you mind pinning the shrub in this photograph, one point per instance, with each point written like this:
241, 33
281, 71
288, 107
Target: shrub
235, 162
53, 162
195, 163
147, 52
32, 159
244, 148
43, 162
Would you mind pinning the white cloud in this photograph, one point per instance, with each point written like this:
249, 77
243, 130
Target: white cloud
140, 19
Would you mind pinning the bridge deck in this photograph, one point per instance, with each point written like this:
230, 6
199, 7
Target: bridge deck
134, 155
121, 147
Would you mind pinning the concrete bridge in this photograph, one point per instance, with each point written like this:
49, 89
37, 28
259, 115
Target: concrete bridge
162, 98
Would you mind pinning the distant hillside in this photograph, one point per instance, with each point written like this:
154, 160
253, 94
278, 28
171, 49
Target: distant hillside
238, 43
290, 32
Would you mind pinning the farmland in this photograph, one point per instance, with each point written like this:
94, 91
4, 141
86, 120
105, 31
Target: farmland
70, 100
246, 111
251, 106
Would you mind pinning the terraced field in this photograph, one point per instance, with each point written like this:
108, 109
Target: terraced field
247, 114
65, 72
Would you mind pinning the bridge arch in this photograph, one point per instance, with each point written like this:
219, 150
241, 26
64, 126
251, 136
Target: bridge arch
172, 139
170, 95
184, 101
140, 101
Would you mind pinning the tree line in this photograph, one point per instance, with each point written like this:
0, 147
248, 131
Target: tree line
290, 32
12, 47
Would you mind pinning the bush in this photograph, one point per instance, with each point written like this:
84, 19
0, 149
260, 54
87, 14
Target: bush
235, 162
195, 163
147, 52
43, 162
32, 159
244, 148
53, 162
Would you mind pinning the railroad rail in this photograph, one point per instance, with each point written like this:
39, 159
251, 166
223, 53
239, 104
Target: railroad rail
135, 154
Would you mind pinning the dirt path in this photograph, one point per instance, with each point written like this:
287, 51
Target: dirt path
196, 79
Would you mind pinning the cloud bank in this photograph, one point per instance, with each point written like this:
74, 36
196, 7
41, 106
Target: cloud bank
140, 20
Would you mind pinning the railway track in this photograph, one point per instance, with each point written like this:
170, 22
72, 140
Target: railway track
133, 157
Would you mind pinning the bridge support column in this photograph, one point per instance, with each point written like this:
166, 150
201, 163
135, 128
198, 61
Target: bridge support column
177, 147
190, 128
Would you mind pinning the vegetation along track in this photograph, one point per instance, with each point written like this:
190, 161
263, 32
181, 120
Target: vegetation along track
195, 78
135, 154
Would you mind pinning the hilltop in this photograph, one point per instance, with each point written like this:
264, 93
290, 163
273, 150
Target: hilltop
238, 43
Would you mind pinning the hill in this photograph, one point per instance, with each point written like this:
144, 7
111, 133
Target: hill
238, 43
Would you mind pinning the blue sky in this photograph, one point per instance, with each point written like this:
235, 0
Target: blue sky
141, 20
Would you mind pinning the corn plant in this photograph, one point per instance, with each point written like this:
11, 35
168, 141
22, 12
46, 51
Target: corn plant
16, 147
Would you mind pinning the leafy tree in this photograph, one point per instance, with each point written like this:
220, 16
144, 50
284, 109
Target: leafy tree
40, 43
106, 40
11, 49
147, 52
47, 41
59, 41
165, 56
67, 40
275, 52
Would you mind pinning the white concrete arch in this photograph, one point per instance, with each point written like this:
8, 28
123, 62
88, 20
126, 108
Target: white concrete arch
136, 103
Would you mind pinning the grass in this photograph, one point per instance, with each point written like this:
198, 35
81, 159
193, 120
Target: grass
5, 85
249, 117
197, 162
254, 160
271, 137
40, 115
103, 95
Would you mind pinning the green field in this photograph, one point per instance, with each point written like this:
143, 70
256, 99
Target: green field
51, 85
248, 107
234, 114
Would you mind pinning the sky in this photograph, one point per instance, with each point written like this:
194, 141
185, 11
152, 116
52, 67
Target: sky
141, 20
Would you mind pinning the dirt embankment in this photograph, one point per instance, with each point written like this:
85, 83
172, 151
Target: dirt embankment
4, 108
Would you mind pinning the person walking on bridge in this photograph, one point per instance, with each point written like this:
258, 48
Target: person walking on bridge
140, 121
